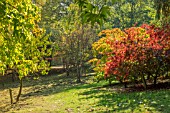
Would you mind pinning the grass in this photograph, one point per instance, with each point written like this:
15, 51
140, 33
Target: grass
61, 94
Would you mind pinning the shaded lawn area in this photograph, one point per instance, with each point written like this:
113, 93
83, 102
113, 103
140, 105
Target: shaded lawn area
61, 94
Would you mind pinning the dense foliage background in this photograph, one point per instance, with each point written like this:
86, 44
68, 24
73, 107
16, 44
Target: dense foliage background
123, 40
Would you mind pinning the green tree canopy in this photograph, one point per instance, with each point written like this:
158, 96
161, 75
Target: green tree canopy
23, 45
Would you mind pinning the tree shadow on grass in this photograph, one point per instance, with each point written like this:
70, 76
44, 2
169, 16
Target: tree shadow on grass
107, 96
55, 84
44, 86
136, 101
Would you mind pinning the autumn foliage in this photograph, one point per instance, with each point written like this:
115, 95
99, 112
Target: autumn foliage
135, 53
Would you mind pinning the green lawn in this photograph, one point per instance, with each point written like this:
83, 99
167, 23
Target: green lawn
60, 94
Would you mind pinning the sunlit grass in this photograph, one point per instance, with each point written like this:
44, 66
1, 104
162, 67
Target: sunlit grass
61, 94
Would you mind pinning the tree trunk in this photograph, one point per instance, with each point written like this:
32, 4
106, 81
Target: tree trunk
125, 84
149, 76
63, 62
67, 72
156, 75
11, 97
67, 69
20, 90
78, 74
144, 81
155, 80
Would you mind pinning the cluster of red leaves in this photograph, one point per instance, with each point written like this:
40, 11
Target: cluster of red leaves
135, 50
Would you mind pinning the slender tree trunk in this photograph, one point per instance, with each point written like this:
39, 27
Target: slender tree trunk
67, 69
63, 62
78, 74
20, 90
67, 72
149, 76
125, 84
144, 81
156, 75
78, 60
11, 97
155, 80
84, 71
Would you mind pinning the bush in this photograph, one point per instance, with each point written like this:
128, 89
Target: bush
136, 52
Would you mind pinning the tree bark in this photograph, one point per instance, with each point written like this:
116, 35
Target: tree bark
125, 84
20, 90
67, 69
78, 74
144, 81
156, 75
155, 80
11, 97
